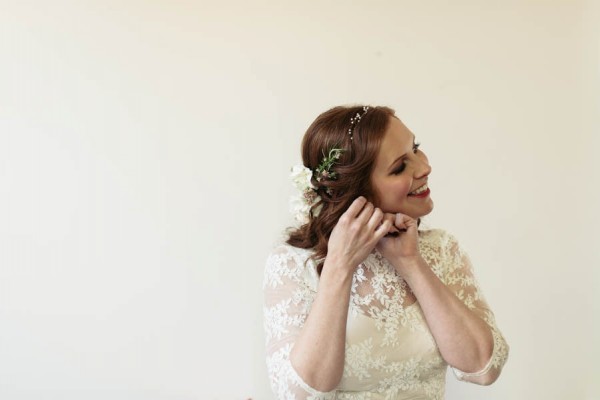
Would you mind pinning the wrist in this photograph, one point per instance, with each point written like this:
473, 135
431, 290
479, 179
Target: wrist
409, 267
337, 270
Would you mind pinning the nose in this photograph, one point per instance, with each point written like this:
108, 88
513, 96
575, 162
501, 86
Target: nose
422, 169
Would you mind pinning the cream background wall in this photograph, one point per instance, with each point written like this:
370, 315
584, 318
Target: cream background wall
144, 153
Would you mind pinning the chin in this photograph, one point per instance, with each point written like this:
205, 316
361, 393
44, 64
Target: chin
423, 213
413, 212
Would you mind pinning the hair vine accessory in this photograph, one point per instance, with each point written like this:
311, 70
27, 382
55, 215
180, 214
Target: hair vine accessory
355, 120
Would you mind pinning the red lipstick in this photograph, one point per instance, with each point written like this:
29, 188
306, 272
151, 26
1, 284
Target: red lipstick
421, 195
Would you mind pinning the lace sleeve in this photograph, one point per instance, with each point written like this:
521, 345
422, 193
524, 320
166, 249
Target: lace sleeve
289, 290
460, 278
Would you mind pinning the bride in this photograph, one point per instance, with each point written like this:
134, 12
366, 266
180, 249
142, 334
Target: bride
359, 302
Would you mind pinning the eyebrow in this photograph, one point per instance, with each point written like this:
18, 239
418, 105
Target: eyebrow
391, 168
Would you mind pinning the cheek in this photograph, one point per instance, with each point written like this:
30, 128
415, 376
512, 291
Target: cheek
397, 191
402, 188
391, 194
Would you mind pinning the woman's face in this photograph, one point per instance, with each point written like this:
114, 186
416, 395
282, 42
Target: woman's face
399, 178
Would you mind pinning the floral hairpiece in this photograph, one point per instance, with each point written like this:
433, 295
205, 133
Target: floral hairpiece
302, 179
300, 205
355, 120
324, 169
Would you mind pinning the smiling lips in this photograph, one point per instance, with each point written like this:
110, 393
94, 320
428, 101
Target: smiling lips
422, 191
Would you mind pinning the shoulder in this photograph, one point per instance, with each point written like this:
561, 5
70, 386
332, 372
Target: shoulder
441, 250
437, 238
287, 261
286, 251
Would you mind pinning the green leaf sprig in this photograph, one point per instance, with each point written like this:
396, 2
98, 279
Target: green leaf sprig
324, 169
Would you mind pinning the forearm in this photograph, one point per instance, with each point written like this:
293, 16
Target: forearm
464, 340
318, 354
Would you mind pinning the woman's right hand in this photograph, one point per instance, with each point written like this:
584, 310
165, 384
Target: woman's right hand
355, 235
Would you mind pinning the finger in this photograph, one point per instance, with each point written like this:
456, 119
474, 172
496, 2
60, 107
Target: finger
365, 213
392, 219
402, 221
375, 219
412, 225
355, 208
382, 230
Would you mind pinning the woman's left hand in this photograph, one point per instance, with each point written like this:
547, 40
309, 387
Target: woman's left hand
401, 249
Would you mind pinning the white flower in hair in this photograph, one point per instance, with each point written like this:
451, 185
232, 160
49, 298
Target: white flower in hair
301, 204
301, 177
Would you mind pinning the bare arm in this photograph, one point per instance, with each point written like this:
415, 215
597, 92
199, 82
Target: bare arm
464, 340
462, 327
306, 347
318, 355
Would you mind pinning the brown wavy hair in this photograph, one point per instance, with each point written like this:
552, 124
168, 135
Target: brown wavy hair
353, 169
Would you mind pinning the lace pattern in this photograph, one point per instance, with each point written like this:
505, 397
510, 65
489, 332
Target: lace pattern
390, 352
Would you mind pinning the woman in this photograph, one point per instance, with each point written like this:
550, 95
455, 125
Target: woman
360, 304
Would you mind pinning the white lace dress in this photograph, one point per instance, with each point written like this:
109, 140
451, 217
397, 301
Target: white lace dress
390, 352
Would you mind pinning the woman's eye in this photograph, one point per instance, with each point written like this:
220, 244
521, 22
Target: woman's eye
403, 165
400, 168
